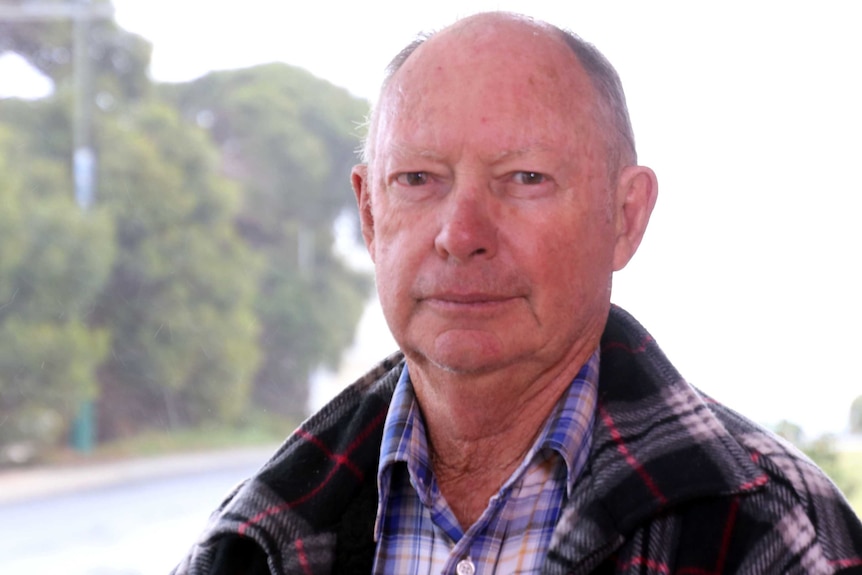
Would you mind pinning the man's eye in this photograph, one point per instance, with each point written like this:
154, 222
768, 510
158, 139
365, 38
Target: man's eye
412, 178
529, 178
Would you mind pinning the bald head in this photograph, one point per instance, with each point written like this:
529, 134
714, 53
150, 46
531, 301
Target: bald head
494, 31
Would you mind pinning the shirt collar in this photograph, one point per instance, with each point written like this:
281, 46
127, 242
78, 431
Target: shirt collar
568, 432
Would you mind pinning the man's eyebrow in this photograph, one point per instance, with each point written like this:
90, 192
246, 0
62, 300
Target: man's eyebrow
402, 150
519, 152
405, 150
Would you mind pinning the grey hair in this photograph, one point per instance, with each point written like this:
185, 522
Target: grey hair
612, 99
604, 78
365, 152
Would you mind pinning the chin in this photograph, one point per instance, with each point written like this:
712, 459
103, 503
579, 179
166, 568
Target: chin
467, 355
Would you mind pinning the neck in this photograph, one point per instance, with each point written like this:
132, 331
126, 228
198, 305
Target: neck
480, 427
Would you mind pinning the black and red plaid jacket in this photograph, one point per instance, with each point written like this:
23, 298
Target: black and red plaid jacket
675, 483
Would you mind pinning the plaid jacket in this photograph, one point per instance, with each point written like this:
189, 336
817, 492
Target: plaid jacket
675, 483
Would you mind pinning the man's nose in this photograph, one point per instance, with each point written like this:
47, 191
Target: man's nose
468, 228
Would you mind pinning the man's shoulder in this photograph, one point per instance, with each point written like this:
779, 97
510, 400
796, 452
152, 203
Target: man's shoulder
349, 425
318, 487
700, 464
356, 403
781, 461
798, 506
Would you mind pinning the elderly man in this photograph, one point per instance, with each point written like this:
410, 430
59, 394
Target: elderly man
529, 426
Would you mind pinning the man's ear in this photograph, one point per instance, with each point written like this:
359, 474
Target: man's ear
359, 181
636, 193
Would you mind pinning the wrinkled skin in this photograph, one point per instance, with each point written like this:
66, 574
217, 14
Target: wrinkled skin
493, 225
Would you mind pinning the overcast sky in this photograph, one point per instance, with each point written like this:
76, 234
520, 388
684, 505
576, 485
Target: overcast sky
749, 275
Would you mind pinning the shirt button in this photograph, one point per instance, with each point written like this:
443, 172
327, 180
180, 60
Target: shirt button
465, 567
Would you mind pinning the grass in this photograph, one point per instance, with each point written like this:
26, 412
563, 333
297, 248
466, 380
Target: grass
262, 429
163, 442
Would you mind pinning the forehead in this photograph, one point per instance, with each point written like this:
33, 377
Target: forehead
516, 81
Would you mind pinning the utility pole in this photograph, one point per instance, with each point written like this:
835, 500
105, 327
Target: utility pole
83, 156
81, 13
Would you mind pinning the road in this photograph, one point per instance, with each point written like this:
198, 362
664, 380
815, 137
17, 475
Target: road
138, 527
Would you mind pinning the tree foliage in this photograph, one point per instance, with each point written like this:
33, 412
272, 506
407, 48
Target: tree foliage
288, 140
180, 298
54, 259
289, 137
205, 277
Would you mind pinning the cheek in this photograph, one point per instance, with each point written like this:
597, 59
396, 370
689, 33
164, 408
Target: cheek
576, 258
394, 236
400, 245
402, 228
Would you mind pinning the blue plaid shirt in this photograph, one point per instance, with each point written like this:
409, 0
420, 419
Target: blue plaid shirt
417, 532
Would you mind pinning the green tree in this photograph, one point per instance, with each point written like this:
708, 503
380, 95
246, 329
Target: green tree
54, 259
179, 302
288, 140
193, 318
177, 312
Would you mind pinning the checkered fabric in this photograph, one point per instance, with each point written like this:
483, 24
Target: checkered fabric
674, 483
417, 532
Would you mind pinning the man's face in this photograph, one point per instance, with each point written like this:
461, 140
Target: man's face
485, 206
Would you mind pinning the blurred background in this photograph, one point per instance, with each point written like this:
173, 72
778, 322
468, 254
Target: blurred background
180, 277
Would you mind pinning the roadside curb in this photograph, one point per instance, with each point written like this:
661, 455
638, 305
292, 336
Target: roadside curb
27, 484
